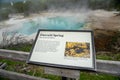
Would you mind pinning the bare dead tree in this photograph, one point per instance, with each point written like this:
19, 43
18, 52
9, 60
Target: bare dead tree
4, 40
11, 39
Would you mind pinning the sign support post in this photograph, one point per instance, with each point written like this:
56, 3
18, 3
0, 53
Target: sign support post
66, 74
66, 78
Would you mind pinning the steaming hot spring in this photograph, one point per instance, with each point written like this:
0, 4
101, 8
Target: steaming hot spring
28, 26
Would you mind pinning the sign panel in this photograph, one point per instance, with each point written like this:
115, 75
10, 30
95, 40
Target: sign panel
73, 49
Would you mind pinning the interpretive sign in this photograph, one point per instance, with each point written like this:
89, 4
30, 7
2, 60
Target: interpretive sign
73, 49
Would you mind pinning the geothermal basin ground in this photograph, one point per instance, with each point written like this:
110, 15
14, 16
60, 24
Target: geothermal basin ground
28, 26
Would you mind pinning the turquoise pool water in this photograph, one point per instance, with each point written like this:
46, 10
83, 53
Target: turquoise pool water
56, 23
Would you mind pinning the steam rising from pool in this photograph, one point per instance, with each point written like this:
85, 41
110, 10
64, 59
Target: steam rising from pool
56, 23
49, 20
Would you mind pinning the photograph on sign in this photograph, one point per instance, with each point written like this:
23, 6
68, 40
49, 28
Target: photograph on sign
73, 49
77, 49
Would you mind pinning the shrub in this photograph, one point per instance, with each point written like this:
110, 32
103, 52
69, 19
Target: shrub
4, 14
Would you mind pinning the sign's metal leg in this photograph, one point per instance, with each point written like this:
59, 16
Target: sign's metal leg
64, 78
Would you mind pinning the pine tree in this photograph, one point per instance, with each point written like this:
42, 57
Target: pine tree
117, 4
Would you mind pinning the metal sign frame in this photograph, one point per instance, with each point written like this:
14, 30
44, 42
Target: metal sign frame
83, 40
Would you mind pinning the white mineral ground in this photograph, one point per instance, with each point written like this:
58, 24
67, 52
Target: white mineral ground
97, 19
105, 20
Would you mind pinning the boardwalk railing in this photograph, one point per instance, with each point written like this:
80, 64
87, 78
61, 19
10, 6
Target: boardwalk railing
103, 66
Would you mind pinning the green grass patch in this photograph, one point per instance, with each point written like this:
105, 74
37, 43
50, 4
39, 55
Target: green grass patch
95, 76
1, 78
108, 56
22, 67
20, 47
